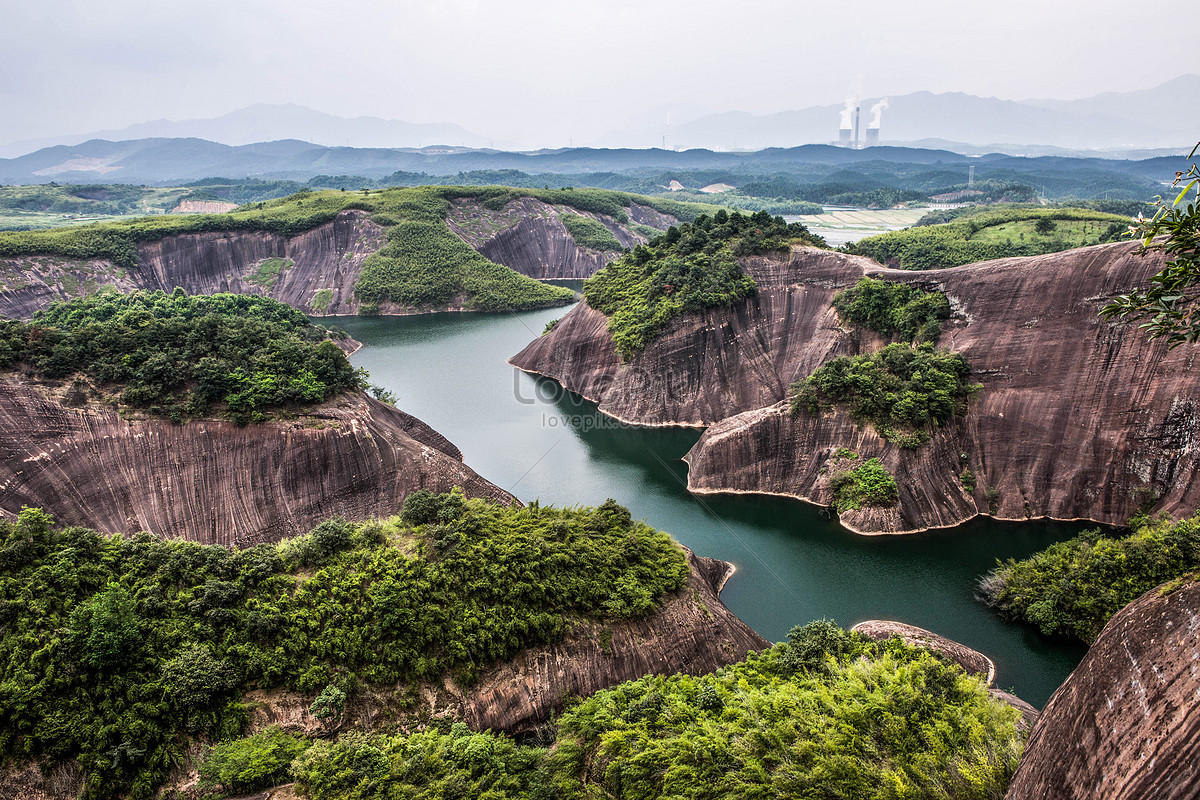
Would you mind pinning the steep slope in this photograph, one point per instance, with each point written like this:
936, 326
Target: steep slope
1124, 725
529, 236
317, 270
212, 481
1078, 417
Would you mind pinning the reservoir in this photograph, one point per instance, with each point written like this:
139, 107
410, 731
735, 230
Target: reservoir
794, 562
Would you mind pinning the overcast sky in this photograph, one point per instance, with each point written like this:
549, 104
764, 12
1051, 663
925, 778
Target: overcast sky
546, 72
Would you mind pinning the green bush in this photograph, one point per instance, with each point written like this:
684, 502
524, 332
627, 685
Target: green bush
253, 763
689, 268
868, 484
116, 650
589, 233
827, 714
900, 389
180, 355
1074, 587
894, 309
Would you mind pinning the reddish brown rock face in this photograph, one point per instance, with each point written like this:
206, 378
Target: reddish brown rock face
214, 482
1125, 725
1079, 417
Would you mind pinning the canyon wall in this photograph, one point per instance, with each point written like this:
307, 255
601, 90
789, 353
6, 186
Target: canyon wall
322, 265
1078, 417
1124, 724
212, 481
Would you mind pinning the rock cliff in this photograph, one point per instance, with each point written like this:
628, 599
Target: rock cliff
319, 267
212, 481
1078, 417
1124, 725
529, 236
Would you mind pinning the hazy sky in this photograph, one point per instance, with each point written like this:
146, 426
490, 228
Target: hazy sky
544, 72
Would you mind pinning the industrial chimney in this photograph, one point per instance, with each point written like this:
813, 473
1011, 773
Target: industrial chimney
873, 126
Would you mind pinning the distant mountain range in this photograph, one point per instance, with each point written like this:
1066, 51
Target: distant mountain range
266, 123
159, 161
1165, 117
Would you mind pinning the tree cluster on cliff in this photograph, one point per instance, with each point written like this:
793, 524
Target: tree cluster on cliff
181, 355
894, 309
901, 390
117, 650
826, 714
689, 268
1074, 588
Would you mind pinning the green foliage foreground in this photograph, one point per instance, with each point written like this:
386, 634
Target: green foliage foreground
689, 268
116, 650
825, 715
182, 355
901, 390
1075, 587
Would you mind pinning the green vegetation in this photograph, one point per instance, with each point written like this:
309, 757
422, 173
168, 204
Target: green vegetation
987, 234
1075, 587
589, 233
182, 355
321, 300
827, 714
901, 390
967, 479
1171, 305
422, 264
255, 762
868, 484
117, 650
894, 309
267, 272
689, 268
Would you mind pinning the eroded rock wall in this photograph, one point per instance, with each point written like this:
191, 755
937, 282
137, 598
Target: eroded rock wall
1078, 417
215, 482
1124, 725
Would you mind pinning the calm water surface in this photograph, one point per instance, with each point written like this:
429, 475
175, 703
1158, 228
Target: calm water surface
794, 562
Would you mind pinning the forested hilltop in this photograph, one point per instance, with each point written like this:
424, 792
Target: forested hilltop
400, 253
180, 355
118, 651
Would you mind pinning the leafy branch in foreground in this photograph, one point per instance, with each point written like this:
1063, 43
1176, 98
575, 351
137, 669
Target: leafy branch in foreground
1170, 306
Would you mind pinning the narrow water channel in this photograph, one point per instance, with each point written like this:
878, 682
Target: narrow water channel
794, 562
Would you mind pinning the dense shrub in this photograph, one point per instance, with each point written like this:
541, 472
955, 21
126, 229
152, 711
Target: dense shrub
868, 484
899, 389
184, 355
255, 762
894, 309
827, 714
689, 268
589, 233
1075, 587
116, 650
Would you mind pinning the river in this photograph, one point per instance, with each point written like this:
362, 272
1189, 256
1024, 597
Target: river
795, 563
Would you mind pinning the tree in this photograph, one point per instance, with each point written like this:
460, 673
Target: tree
1045, 226
1170, 306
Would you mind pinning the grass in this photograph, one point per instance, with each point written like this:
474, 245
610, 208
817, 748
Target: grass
591, 234
268, 271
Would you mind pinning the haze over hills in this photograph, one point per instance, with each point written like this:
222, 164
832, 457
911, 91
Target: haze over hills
1166, 116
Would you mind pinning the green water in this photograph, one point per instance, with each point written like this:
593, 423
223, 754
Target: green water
794, 562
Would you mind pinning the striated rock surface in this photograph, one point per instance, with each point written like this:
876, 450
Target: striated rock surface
1125, 724
529, 236
1079, 417
215, 482
323, 264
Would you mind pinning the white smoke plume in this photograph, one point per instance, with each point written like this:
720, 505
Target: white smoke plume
847, 113
877, 110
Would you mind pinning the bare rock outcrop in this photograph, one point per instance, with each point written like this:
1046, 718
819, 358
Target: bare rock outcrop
215, 482
1078, 417
529, 236
1124, 725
